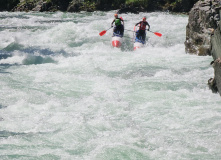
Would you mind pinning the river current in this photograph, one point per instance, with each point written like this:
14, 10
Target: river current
65, 93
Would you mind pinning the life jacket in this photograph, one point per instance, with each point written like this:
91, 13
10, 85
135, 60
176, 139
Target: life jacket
117, 21
142, 26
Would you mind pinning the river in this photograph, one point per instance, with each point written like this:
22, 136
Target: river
65, 93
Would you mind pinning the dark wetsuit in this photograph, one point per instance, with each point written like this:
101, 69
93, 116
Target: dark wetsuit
119, 28
141, 33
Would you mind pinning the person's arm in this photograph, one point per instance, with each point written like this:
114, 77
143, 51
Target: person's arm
137, 23
148, 26
112, 23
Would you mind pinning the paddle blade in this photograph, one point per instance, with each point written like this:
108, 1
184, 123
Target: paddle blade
158, 34
102, 33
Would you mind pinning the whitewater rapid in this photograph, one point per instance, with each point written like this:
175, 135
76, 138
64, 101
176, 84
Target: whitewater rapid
65, 93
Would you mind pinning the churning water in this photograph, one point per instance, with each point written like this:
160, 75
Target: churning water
65, 93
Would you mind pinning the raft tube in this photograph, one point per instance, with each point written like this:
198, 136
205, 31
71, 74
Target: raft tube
138, 45
117, 41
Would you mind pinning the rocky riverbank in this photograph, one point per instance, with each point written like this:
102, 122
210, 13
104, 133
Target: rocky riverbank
203, 36
215, 83
133, 6
203, 19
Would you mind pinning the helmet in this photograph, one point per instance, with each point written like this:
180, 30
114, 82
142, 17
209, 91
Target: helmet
144, 18
115, 15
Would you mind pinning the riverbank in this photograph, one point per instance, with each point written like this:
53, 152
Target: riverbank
133, 6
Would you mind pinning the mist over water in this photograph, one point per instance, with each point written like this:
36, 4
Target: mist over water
65, 93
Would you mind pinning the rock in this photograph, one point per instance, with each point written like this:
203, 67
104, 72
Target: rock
217, 73
202, 17
216, 53
179, 5
37, 8
216, 43
77, 6
42, 6
23, 6
74, 7
212, 85
203, 36
127, 10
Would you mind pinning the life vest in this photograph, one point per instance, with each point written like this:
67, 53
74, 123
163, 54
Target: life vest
117, 21
142, 26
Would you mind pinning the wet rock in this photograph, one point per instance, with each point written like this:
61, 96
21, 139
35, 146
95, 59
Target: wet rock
203, 17
23, 6
127, 10
212, 85
77, 6
216, 53
203, 36
42, 5
216, 43
39, 6
74, 6
217, 73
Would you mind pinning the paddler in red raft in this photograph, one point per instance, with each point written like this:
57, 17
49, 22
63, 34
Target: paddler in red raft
119, 26
141, 33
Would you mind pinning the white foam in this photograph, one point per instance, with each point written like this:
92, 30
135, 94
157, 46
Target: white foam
95, 101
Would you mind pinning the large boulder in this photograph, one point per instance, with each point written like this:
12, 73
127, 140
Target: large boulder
216, 42
38, 6
203, 19
42, 5
216, 53
24, 6
74, 6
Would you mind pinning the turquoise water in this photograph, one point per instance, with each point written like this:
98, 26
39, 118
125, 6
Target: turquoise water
67, 94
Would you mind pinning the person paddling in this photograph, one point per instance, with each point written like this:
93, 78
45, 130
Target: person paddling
119, 26
142, 29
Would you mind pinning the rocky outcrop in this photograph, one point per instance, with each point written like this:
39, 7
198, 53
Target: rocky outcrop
74, 6
128, 9
39, 6
216, 42
203, 36
216, 53
42, 5
123, 6
179, 6
203, 19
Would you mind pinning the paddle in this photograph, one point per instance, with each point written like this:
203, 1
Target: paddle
156, 33
103, 32
128, 30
